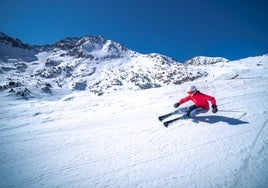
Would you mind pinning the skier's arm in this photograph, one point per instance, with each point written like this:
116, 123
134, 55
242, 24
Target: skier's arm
210, 98
183, 100
213, 102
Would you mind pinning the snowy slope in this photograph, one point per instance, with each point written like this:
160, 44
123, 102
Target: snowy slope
115, 140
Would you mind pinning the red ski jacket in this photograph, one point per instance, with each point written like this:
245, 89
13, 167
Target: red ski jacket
200, 100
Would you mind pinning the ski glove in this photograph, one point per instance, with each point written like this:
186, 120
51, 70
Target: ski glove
176, 105
214, 109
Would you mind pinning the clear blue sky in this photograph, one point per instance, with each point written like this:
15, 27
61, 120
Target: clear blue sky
181, 29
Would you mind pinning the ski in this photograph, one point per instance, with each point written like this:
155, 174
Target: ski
178, 111
166, 123
161, 118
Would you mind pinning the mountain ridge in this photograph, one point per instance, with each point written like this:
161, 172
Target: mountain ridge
89, 63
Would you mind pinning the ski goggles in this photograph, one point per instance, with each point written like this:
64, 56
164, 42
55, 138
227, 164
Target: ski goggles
190, 92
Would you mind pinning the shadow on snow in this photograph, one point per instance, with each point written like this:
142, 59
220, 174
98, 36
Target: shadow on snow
217, 119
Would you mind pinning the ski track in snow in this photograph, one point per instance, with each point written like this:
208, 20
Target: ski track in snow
249, 158
117, 141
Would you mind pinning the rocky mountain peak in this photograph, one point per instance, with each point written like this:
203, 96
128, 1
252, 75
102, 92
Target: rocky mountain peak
203, 60
88, 63
14, 42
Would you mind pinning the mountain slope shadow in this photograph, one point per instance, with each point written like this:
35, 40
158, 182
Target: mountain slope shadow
216, 119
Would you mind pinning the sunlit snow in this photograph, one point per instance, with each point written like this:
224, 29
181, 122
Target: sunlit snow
79, 139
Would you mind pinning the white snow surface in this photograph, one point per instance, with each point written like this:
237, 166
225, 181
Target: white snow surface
116, 140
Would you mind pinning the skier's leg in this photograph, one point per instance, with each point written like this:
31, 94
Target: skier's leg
197, 111
189, 110
180, 111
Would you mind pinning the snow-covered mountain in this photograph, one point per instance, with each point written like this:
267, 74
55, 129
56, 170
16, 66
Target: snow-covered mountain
88, 63
116, 140
203, 60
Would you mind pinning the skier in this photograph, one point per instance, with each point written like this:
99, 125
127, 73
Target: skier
200, 100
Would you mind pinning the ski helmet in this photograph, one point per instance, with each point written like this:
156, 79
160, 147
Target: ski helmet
191, 89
